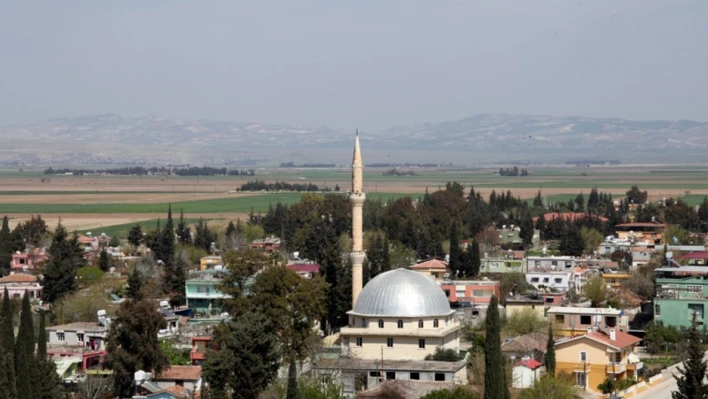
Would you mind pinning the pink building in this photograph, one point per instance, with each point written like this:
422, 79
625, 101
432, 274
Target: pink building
472, 293
28, 261
306, 270
18, 284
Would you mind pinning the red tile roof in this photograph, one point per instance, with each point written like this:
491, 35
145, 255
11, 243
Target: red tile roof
176, 391
181, 373
18, 278
304, 267
621, 341
533, 364
694, 255
430, 264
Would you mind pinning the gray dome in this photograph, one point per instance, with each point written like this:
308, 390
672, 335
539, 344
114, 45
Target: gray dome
402, 293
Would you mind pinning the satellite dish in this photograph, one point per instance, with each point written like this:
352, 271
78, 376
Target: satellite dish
669, 255
676, 241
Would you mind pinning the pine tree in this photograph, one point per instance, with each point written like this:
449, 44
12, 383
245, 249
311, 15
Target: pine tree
24, 353
455, 253
475, 258
541, 226
527, 231
230, 228
690, 380
65, 257
203, 236
703, 215
103, 261
7, 345
135, 235
135, 285
166, 247
5, 247
549, 359
495, 385
538, 200
184, 232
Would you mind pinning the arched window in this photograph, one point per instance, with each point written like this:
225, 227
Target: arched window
420, 324
380, 323
435, 323
400, 323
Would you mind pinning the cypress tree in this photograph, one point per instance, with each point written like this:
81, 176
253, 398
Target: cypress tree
183, 231
4, 381
690, 380
48, 383
526, 233
103, 262
549, 359
455, 253
5, 247
24, 353
475, 258
7, 346
495, 386
41, 338
292, 392
135, 285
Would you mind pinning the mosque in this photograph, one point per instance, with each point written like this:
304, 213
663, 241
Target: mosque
397, 319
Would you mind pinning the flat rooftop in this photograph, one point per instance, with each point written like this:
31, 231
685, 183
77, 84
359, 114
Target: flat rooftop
584, 311
78, 326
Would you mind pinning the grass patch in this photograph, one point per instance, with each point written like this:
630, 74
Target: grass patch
693, 199
121, 230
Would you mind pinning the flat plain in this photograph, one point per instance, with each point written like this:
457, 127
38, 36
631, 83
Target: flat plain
90, 202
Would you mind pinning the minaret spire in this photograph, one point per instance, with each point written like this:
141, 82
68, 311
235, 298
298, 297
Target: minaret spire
357, 198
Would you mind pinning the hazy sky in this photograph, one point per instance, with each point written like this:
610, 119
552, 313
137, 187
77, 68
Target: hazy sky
346, 63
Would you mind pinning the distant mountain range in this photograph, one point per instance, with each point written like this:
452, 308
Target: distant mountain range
484, 138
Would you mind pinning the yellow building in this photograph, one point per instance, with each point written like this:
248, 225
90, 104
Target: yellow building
597, 355
209, 262
432, 268
615, 280
525, 304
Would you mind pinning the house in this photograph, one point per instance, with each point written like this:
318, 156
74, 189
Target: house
83, 341
696, 258
173, 392
571, 321
580, 276
525, 373
470, 293
28, 260
680, 292
201, 291
187, 377
554, 298
87, 242
557, 280
433, 268
531, 346
615, 280
200, 346
525, 303
210, 262
652, 232
640, 256
268, 244
18, 283
597, 355
305, 270
511, 238
552, 263
501, 265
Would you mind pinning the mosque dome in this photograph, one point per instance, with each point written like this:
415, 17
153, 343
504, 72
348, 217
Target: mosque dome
402, 293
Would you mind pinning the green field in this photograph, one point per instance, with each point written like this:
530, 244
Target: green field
121, 230
257, 203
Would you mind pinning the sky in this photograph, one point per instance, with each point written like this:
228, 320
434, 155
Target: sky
371, 64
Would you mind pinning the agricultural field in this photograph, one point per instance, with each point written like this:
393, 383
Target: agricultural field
114, 203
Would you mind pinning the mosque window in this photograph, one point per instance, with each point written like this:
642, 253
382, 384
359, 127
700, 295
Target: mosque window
359, 341
420, 324
400, 323
421, 343
389, 342
435, 323
381, 324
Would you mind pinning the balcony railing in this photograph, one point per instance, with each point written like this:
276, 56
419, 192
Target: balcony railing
616, 368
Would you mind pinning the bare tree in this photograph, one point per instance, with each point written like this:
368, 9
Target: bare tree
95, 387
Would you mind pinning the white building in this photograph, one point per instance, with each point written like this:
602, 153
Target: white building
551, 263
558, 280
525, 373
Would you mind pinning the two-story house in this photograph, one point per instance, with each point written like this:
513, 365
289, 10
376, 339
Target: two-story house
201, 290
555, 263
570, 321
557, 280
29, 260
501, 265
210, 262
597, 355
474, 293
83, 341
680, 292
18, 283
615, 280
433, 268
652, 232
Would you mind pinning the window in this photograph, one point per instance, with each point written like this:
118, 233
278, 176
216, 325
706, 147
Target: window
381, 324
460, 293
389, 342
534, 279
554, 263
587, 320
439, 376
80, 337
549, 299
203, 290
560, 318
694, 288
375, 374
546, 279
618, 357
421, 324
537, 263
611, 321
390, 375
415, 376
583, 356
558, 280
696, 308
478, 293
581, 379
363, 322
359, 341
60, 336
435, 323
400, 323
421, 343
657, 310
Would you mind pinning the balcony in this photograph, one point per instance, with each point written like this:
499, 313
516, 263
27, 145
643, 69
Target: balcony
635, 366
616, 368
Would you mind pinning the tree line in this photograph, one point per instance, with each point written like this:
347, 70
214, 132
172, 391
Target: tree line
306, 165
142, 171
514, 171
261, 185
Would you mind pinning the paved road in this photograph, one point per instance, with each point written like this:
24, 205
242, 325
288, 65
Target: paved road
664, 389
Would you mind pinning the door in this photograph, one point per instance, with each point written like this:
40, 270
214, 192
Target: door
581, 379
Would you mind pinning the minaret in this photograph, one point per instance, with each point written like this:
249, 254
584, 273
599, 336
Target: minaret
357, 197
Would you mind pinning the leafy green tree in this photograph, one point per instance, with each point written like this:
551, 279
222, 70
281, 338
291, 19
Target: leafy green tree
495, 384
591, 239
133, 344
24, 353
549, 359
703, 215
184, 232
455, 252
248, 358
65, 258
5, 247
104, 262
32, 231
634, 196
114, 242
175, 356
312, 388
456, 393
378, 255
595, 290
521, 323
548, 387
689, 381
135, 285
444, 355
135, 235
